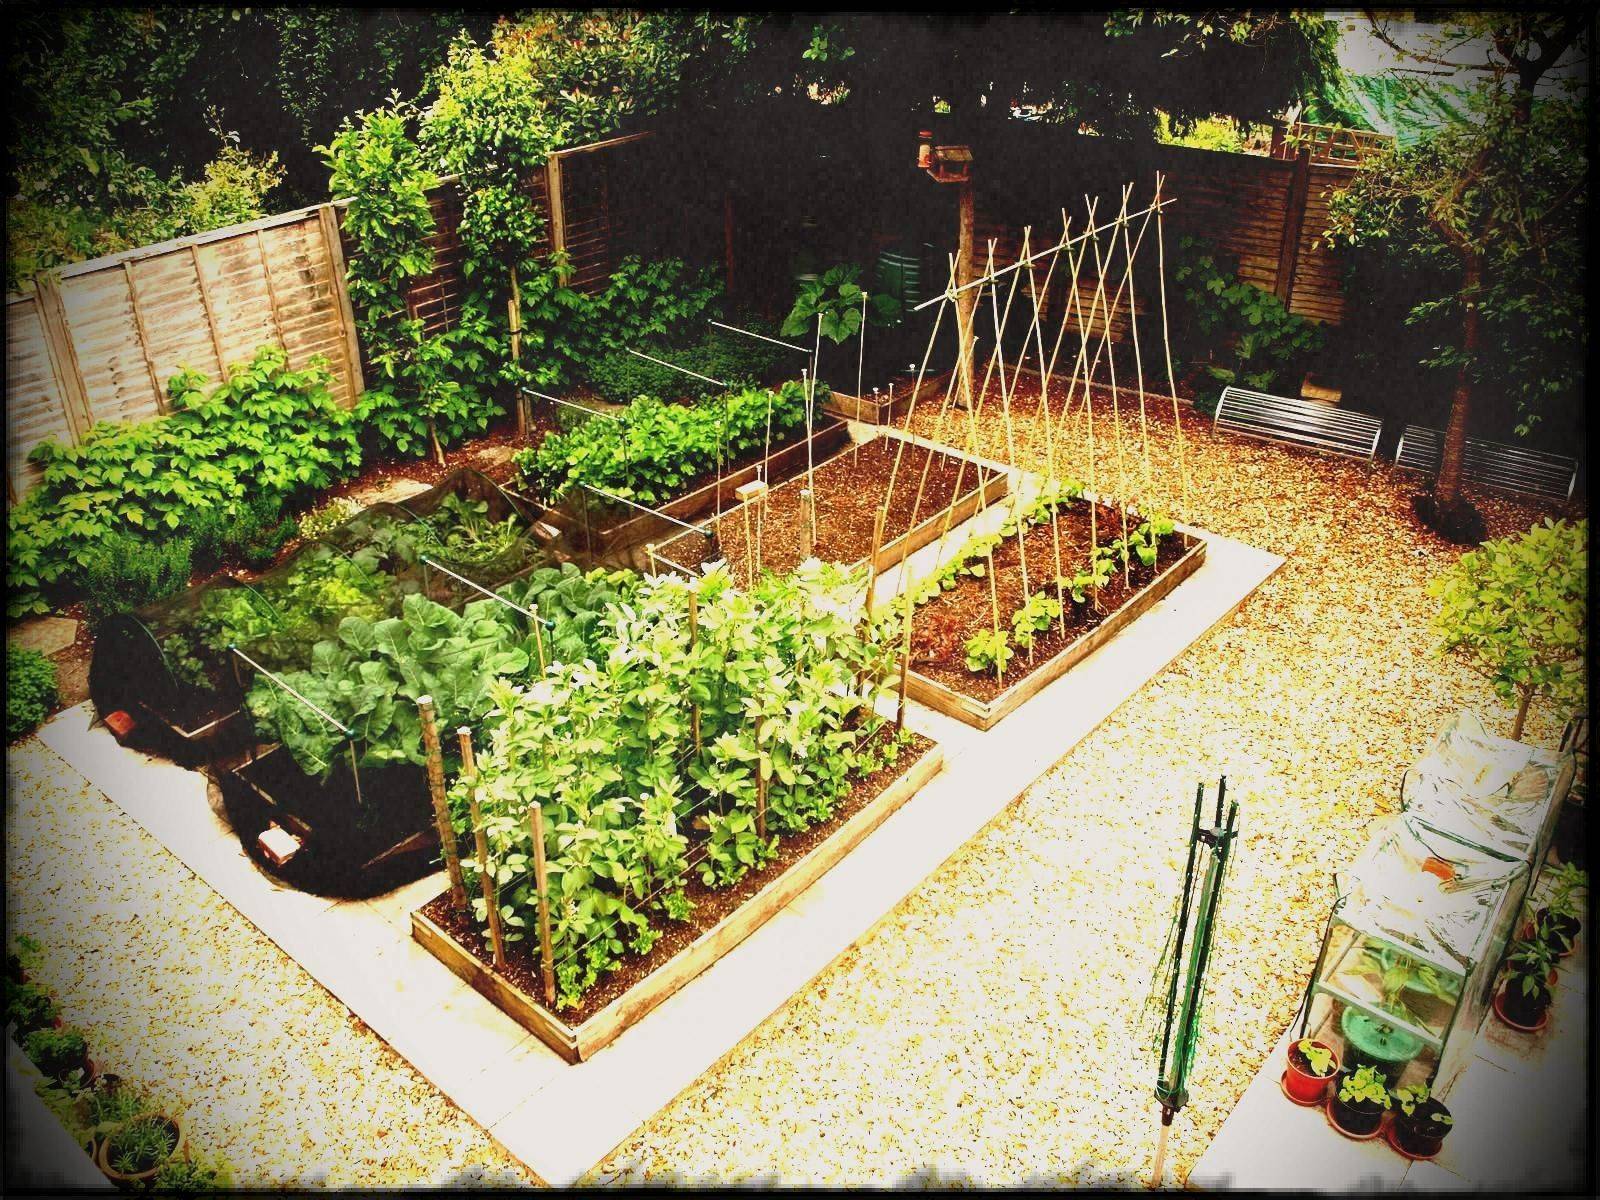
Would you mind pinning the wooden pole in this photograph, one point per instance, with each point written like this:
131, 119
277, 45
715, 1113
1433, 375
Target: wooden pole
547, 969
694, 637
491, 902
1161, 1148
905, 661
966, 205
441, 810
211, 316
808, 506
878, 520
761, 785
514, 312
144, 331
749, 547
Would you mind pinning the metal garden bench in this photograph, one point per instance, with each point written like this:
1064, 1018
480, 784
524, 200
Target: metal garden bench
1493, 465
1314, 424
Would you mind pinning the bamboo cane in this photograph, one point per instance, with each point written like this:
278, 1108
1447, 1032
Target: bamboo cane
491, 902
441, 810
541, 881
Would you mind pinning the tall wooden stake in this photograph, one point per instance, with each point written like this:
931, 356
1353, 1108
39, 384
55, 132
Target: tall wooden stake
514, 312
491, 902
761, 784
694, 637
547, 970
878, 520
441, 810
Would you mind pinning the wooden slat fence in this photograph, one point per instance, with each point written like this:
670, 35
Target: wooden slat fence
99, 341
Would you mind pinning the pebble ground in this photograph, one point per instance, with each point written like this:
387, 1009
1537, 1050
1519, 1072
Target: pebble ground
993, 1029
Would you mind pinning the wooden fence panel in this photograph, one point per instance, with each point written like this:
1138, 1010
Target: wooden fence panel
35, 405
1318, 291
100, 342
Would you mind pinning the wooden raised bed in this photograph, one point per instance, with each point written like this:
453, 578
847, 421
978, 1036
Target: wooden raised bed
986, 714
995, 487
578, 1042
783, 464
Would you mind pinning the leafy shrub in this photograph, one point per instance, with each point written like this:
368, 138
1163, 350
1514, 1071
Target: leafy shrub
29, 1006
251, 533
436, 390
124, 573
836, 297
1518, 609
266, 431
653, 449
1236, 332
30, 691
56, 1052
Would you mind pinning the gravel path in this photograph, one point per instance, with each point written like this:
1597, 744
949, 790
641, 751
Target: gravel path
989, 1030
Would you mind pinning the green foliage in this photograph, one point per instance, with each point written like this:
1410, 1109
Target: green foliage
838, 298
30, 690
126, 572
1528, 967
651, 450
82, 184
266, 432
56, 1052
326, 517
1207, 133
1033, 617
606, 745
1239, 333
146, 1141
1365, 1085
28, 1006
1517, 608
989, 648
1319, 1058
1397, 974
191, 1177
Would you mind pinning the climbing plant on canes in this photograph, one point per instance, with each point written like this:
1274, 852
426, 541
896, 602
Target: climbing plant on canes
1519, 607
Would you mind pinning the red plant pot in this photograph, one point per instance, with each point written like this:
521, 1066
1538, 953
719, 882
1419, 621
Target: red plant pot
1518, 1016
1300, 1083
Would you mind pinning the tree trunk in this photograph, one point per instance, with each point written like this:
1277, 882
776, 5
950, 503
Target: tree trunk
1522, 714
1447, 490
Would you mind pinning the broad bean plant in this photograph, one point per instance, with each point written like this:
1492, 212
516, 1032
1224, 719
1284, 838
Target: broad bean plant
646, 756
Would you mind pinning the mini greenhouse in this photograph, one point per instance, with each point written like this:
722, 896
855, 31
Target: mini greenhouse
1409, 954
1488, 793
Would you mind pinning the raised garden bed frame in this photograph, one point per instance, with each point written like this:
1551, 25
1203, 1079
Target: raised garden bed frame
986, 714
575, 1043
782, 464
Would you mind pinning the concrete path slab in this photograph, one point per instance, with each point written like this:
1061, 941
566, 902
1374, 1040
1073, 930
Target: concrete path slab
562, 1119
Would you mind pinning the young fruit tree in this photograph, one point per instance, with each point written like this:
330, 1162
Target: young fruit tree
1519, 608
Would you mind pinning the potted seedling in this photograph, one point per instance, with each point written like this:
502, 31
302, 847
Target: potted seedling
1357, 1106
1523, 1001
29, 1007
1403, 984
1560, 921
1311, 1065
105, 1107
182, 1176
1421, 1124
59, 1053
132, 1153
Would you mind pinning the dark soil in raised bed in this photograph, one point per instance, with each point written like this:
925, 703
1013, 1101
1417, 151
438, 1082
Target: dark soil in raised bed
942, 626
849, 489
711, 905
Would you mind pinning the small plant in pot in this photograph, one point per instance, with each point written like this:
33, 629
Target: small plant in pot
1357, 1106
1311, 1065
1523, 1001
1421, 1124
1560, 921
133, 1152
106, 1107
59, 1052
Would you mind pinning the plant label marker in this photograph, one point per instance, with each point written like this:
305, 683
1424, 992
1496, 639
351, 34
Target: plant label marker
441, 811
541, 881
491, 903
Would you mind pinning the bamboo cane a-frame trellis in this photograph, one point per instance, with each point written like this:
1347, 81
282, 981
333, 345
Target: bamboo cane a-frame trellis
1066, 389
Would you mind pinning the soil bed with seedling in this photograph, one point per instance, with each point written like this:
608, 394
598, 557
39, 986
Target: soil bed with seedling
718, 921
849, 489
942, 675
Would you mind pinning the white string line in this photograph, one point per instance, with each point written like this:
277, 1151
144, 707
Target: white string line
661, 362
583, 408
532, 616
752, 333
344, 729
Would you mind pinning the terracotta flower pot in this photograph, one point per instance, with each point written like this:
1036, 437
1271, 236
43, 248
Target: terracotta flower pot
1360, 1122
1419, 1136
1528, 1014
1300, 1083
180, 1147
